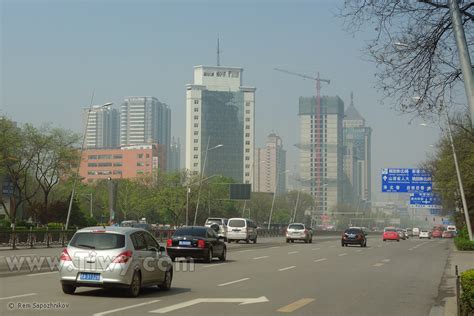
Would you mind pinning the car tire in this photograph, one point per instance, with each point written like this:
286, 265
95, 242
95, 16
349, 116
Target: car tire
134, 288
287, 241
384, 239
166, 285
311, 240
292, 241
342, 245
173, 258
224, 254
68, 289
398, 240
306, 241
209, 256
247, 240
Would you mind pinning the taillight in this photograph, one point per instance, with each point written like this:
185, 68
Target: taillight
123, 257
65, 256
201, 243
359, 236
169, 243
306, 232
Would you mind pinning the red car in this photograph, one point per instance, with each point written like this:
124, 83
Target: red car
436, 233
390, 233
448, 234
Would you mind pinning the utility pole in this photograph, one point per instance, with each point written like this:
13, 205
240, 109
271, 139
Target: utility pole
464, 58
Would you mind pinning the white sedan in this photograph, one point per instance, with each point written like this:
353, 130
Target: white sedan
424, 234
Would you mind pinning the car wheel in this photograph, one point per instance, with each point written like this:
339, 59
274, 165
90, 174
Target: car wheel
292, 241
398, 240
68, 289
209, 256
287, 241
342, 244
134, 288
384, 239
166, 285
224, 254
173, 258
311, 240
306, 241
365, 244
247, 240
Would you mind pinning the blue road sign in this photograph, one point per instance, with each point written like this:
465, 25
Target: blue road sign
8, 188
405, 180
425, 200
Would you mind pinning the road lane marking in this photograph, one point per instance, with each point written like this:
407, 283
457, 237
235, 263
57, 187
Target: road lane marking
319, 260
386, 260
342, 254
295, 305
213, 265
232, 282
378, 264
287, 268
125, 308
316, 249
42, 273
292, 252
247, 250
242, 301
262, 257
17, 296
274, 247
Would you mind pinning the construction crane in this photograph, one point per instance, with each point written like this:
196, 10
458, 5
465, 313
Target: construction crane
318, 129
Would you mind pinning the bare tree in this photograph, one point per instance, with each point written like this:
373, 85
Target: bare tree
413, 49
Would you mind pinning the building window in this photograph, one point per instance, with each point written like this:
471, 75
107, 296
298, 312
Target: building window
196, 124
196, 132
196, 109
247, 111
247, 103
247, 126
247, 119
247, 142
140, 155
92, 173
117, 171
247, 150
105, 164
139, 171
104, 156
140, 164
196, 140
247, 158
118, 157
118, 164
196, 149
247, 134
196, 101
195, 164
247, 174
92, 157
196, 156
93, 164
196, 117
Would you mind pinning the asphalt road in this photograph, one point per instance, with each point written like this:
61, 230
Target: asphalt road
271, 277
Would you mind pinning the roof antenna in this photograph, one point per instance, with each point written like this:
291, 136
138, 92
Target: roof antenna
352, 98
218, 52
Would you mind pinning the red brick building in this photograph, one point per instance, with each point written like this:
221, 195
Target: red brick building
126, 162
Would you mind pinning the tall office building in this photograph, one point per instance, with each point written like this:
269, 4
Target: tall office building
174, 155
270, 166
220, 111
102, 127
357, 158
145, 120
321, 151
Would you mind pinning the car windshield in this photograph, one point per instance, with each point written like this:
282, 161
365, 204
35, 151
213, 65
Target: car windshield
353, 231
296, 226
390, 230
98, 241
236, 223
190, 231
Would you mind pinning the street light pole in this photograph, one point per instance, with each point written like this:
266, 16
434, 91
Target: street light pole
277, 178
76, 176
458, 173
464, 57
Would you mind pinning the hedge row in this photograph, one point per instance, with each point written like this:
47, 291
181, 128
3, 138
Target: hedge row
467, 296
462, 241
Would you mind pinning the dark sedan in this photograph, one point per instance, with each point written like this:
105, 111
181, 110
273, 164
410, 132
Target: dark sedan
354, 236
196, 242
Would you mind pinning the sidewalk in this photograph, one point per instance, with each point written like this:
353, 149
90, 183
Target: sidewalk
446, 301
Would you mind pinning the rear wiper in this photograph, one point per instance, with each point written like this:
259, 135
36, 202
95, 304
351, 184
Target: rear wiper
86, 246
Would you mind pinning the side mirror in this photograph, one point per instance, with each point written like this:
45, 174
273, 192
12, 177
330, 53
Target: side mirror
153, 249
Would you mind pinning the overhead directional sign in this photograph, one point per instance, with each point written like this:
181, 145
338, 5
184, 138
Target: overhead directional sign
405, 180
425, 200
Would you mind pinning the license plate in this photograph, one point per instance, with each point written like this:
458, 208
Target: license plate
89, 277
185, 243
236, 230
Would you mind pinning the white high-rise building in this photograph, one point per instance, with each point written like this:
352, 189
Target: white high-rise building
145, 120
102, 127
220, 111
270, 166
321, 151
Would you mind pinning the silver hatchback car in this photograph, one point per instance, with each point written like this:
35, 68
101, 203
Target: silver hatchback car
106, 257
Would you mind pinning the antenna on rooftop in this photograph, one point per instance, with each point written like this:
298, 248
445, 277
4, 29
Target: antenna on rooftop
218, 52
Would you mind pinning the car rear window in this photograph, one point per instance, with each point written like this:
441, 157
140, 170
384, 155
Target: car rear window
214, 221
191, 231
98, 241
390, 230
296, 226
237, 223
353, 231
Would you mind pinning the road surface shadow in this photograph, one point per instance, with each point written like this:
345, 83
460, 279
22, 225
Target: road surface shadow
147, 292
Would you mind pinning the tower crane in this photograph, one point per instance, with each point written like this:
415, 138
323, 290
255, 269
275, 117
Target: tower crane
319, 160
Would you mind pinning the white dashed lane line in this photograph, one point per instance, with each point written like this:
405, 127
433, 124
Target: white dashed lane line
17, 296
292, 252
232, 282
319, 260
287, 268
262, 257
342, 254
125, 308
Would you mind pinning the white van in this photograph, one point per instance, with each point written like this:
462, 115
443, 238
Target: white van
241, 229
416, 231
451, 228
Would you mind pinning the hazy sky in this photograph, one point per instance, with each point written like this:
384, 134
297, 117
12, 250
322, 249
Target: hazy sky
54, 53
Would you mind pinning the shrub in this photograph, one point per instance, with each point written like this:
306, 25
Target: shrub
467, 296
462, 241
55, 225
4, 223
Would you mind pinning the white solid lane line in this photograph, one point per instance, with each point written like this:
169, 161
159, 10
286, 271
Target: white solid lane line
232, 282
292, 252
42, 273
247, 250
342, 254
287, 268
212, 265
125, 308
262, 257
319, 260
274, 247
17, 296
